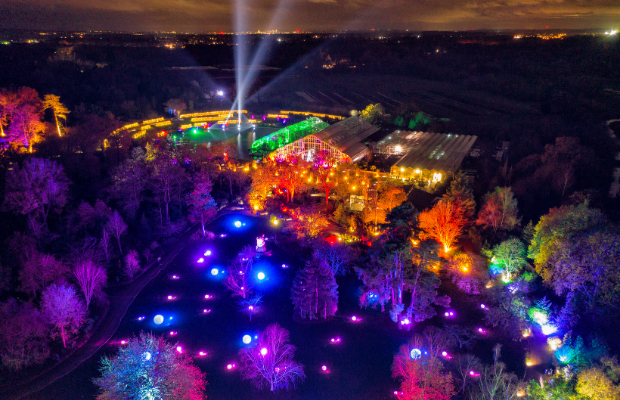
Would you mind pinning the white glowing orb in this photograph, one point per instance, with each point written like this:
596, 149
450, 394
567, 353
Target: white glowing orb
215, 271
247, 339
207, 296
444, 353
230, 366
263, 351
201, 260
354, 318
260, 276
220, 93
251, 308
179, 349
202, 353
415, 354
159, 319
398, 148
284, 266
172, 333
147, 356
123, 342
549, 329
238, 224
208, 253
324, 368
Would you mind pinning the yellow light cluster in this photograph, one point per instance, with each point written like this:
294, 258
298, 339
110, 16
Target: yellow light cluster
206, 113
164, 123
215, 118
139, 135
145, 127
199, 124
277, 116
151, 121
313, 114
185, 126
230, 121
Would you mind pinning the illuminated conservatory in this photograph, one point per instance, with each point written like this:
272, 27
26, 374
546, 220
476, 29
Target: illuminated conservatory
341, 142
288, 135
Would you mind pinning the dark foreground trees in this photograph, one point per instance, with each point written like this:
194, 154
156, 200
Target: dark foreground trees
148, 367
315, 291
270, 363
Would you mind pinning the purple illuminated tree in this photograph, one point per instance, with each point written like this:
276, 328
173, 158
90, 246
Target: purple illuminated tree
270, 363
39, 270
238, 279
23, 335
132, 264
315, 291
35, 189
201, 206
64, 310
338, 256
167, 180
116, 226
91, 279
148, 367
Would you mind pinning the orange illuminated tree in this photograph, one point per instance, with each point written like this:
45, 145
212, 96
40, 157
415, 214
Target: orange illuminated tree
293, 177
444, 223
326, 179
263, 181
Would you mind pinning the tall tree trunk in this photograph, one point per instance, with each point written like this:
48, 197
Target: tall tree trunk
118, 239
62, 333
57, 125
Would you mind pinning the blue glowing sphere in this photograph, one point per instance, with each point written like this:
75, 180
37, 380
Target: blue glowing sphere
247, 339
260, 276
415, 354
238, 224
215, 271
158, 319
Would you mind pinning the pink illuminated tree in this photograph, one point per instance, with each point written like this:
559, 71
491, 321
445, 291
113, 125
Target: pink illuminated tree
132, 264
238, 279
201, 206
270, 363
148, 367
64, 310
116, 226
39, 270
91, 279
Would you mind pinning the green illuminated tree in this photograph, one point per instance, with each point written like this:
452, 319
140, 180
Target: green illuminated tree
511, 255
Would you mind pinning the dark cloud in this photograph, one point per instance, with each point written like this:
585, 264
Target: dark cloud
212, 15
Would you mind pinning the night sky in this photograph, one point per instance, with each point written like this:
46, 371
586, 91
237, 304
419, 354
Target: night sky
307, 15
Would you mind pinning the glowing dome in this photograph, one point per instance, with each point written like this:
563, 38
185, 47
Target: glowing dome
260, 276
215, 271
238, 224
415, 354
159, 319
263, 351
247, 339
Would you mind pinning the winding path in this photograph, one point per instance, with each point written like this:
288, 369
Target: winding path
120, 298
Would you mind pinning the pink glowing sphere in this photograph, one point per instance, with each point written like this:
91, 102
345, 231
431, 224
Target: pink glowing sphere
324, 368
123, 342
202, 353
179, 349
206, 311
172, 333
354, 318
230, 366
207, 296
263, 351
444, 353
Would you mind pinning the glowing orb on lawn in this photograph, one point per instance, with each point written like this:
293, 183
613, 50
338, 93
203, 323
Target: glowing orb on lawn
159, 319
238, 224
444, 353
263, 351
201, 260
230, 366
202, 353
415, 354
247, 339
354, 318
147, 356
207, 296
215, 271
260, 276
179, 349
324, 368
208, 253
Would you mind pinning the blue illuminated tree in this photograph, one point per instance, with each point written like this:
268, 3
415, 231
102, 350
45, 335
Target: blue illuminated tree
148, 367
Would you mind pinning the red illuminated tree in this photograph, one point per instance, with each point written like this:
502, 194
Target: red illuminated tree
326, 179
148, 367
461, 195
270, 363
64, 310
26, 125
499, 210
310, 222
292, 176
420, 371
444, 223
201, 206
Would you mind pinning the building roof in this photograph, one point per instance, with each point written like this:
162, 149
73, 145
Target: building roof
347, 135
436, 151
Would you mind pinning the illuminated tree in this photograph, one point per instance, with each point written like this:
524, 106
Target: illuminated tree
26, 119
270, 363
167, 181
460, 194
91, 279
420, 371
390, 196
467, 272
293, 177
337, 256
60, 111
148, 367
310, 222
201, 206
511, 256
132, 264
464, 364
116, 226
495, 382
23, 335
594, 384
373, 113
238, 277
39, 270
8, 102
129, 181
315, 291
499, 210
326, 179
560, 226
35, 189
444, 223
64, 310
263, 179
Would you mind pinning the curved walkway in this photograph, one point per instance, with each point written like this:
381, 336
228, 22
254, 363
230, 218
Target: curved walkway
120, 298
